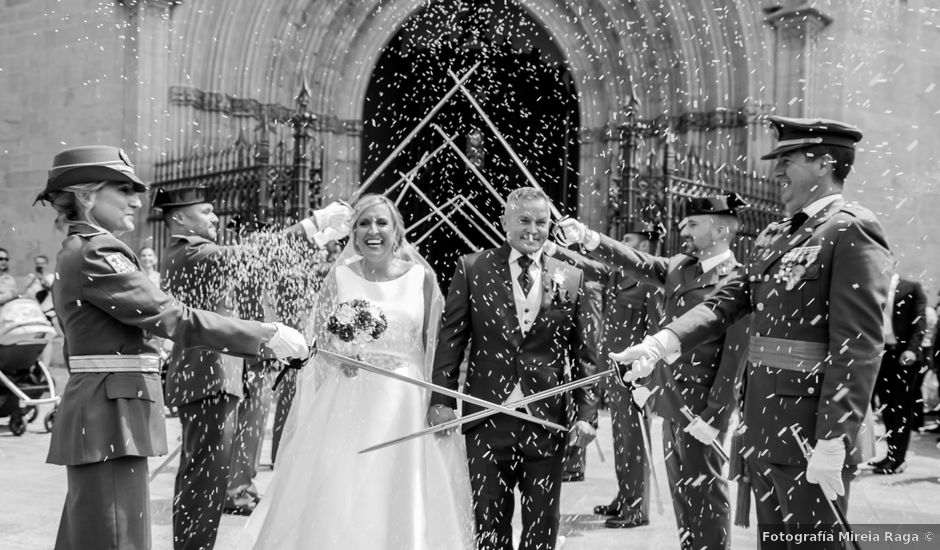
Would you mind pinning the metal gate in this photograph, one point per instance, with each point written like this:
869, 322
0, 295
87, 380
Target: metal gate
260, 182
651, 181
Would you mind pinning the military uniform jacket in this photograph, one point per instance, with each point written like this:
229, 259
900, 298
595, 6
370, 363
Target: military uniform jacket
480, 310
703, 378
630, 309
108, 306
825, 284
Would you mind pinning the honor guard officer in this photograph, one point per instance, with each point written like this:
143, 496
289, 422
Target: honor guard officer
701, 379
111, 415
816, 284
630, 310
206, 386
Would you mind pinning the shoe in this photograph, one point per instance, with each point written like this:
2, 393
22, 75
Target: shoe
879, 463
891, 468
572, 476
243, 510
935, 429
626, 522
607, 510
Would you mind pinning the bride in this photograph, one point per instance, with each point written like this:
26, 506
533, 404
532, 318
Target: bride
324, 494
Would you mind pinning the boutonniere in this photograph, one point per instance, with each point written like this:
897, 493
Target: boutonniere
559, 297
794, 263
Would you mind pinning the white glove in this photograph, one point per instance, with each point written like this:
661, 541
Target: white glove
572, 231
334, 220
825, 467
287, 343
907, 358
702, 431
642, 358
641, 394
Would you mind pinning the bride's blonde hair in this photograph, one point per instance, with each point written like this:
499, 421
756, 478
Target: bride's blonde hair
367, 201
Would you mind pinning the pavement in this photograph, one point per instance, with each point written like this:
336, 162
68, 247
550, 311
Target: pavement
32, 493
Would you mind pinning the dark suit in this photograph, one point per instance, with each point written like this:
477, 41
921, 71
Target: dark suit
503, 451
109, 422
830, 311
207, 386
703, 379
895, 386
630, 311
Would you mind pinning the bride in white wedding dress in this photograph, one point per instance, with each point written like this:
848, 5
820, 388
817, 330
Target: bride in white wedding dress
324, 494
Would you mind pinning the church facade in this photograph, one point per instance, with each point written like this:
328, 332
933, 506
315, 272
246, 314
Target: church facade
593, 96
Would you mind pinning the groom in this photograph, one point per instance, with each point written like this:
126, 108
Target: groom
521, 313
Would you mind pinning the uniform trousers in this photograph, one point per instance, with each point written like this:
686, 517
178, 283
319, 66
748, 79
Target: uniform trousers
700, 494
249, 435
107, 506
787, 504
630, 464
504, 453
202, 479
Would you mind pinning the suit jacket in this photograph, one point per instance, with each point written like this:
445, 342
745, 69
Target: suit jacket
703, 378
837, 301
205, 275
480, 311
108, 306
908, 319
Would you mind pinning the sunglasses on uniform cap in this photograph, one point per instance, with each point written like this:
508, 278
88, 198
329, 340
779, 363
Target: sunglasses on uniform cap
4, 258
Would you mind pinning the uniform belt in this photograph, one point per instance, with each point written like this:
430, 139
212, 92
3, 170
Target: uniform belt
798, 355
114, 363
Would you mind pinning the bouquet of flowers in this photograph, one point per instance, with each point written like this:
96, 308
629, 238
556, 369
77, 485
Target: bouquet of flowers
357, 321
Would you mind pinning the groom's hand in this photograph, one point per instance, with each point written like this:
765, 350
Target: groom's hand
581, 434
441, 414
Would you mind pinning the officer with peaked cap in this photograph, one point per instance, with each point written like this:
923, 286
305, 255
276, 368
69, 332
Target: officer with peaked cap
703, 377
110, 418
207, 387
815, 284
629, 310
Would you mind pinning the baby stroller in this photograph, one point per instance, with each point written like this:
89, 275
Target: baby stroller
24, 334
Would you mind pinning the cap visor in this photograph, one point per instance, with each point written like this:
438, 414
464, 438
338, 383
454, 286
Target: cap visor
780, 151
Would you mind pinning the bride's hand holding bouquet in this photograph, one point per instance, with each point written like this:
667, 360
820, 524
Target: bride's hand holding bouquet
358, 322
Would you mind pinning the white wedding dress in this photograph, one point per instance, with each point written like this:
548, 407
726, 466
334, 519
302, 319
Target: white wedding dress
324, 494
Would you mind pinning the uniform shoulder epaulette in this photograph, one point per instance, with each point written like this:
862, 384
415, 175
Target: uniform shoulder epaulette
857, 210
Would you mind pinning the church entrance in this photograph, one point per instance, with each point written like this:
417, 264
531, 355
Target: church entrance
524, 87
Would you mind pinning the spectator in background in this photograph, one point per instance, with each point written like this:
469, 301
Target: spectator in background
8, 289
904, 324
148, 264
39, 285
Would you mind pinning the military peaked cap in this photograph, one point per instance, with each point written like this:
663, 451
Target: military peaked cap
799, 133
727, 205
90, 164
181, 196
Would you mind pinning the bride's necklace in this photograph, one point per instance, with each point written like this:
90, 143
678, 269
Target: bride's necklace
373, 277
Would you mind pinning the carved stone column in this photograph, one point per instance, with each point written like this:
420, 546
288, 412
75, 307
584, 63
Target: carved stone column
796, 29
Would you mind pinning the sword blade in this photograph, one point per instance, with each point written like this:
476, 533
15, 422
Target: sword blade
648, 451
490, 412
690, 416
440, 389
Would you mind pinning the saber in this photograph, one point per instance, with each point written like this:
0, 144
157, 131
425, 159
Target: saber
425, 158
483, 414
348, 361
690, 416
833, 505
647, 450
502, 141
447, 203
410, 182
479, 214
450, 93
469, 163
166, 462
473, 222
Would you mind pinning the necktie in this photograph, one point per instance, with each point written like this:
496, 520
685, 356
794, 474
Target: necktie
525, 281
797, 221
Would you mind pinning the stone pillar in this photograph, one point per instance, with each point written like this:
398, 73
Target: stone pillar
796, 29
146, 88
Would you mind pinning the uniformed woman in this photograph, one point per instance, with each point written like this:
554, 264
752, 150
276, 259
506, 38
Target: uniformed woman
110, 418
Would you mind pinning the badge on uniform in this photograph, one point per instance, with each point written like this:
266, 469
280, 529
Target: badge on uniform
794, 263
120, 263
